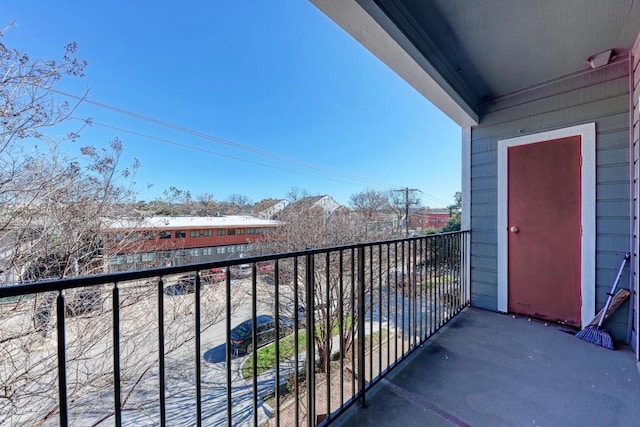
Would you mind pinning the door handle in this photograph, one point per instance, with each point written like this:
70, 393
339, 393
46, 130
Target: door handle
514, 229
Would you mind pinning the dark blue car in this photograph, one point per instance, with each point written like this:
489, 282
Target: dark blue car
242, 335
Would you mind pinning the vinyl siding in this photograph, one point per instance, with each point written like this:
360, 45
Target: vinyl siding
600, 96
635, 175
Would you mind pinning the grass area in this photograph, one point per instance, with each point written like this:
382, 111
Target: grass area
346, 325
288, 386
377, 337
443, 280
267, 354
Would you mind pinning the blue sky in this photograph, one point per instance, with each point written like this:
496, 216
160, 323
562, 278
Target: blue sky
275, 77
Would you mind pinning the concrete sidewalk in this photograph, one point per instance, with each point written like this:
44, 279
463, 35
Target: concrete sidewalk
489, 369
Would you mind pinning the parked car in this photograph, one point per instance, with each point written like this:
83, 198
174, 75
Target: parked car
215, 275
240, 271
265, 266
242, 334
184, 285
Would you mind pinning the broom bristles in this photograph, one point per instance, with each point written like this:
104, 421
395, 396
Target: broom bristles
596, 336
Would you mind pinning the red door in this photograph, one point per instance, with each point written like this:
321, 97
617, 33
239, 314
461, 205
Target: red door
544, 230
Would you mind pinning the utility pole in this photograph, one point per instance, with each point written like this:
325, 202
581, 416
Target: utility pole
407, 202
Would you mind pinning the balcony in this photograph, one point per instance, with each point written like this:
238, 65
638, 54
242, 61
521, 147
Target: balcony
156, 347
491, 369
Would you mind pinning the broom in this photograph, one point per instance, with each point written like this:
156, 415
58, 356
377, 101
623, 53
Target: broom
595, 334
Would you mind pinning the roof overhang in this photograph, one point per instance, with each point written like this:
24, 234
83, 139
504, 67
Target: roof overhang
385, 41
462, 55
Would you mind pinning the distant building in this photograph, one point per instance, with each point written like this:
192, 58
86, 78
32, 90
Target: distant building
428, 218
165, 241
269, 208
324, 202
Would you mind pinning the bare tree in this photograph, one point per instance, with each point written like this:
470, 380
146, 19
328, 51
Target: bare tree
333, 282
295, 193
369, 205
206, 205
175, 202
54, 209
53, 205
238, 204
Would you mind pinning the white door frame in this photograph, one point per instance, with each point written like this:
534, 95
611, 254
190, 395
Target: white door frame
587, 133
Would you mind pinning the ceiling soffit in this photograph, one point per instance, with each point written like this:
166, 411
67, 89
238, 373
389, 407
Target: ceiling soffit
486, 49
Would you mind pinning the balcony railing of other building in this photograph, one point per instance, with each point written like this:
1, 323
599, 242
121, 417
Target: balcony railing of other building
286, 339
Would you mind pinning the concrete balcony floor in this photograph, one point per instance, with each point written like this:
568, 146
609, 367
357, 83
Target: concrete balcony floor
489, 369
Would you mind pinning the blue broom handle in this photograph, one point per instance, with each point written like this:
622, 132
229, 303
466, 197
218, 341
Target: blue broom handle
615, 284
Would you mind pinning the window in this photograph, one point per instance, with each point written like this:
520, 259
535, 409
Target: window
118, 260
258, 230
231, 232
207, 233
165, 234
194, 252
207, 251
231, 249
148, 256
240, 231
148, 235
222, 232
181, 234
249, 230
220, 249
194, 233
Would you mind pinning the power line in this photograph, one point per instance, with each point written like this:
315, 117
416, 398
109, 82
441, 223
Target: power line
433, 198
227, 142
215, 153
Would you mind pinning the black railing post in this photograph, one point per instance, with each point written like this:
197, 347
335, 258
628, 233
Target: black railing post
198, 351
163, 418
228, 354
361, 344
329, 332
310, 328
276, 315
296, 341
254, 341
467, 267
62, 360
341, 323
414, 292
116, 356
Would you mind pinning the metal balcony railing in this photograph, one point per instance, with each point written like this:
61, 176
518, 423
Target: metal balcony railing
286, 339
